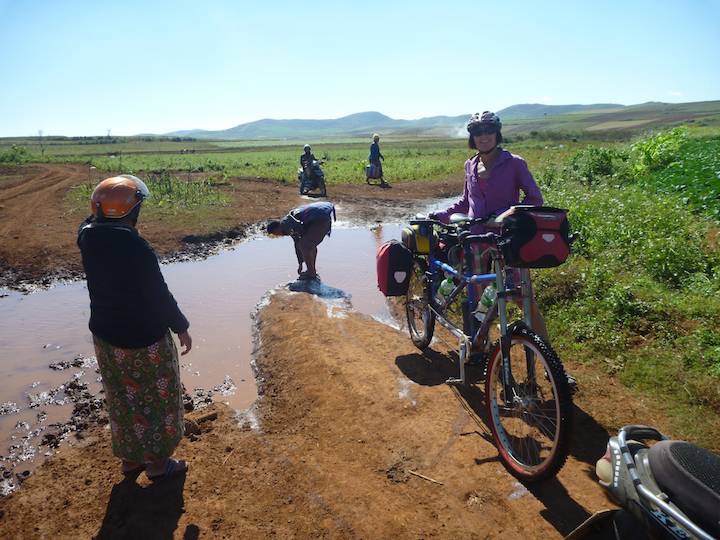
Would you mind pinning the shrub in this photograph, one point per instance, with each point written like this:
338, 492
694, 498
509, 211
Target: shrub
655, 153
592, 163
16, 154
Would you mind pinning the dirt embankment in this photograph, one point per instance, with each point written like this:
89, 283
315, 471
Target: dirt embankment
348, 409
39, 229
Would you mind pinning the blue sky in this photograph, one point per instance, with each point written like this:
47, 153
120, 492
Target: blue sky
83, 67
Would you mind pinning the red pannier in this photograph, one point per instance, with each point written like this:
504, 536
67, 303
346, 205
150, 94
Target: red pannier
394, 263
536, 237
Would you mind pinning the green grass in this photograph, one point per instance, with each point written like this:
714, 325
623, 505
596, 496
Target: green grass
170, 195
641, 295
436, 159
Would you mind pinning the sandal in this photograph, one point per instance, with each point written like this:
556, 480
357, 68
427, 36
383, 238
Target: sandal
172, 467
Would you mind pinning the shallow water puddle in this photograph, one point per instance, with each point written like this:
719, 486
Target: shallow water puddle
217, 295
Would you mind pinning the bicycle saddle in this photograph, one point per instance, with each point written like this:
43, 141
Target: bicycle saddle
691, 476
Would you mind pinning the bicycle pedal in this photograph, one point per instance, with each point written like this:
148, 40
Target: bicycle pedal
453, 381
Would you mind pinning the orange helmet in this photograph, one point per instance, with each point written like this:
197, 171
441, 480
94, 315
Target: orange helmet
116, 197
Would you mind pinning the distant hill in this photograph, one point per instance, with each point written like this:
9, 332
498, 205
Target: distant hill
359, 124
535, 110
517, 119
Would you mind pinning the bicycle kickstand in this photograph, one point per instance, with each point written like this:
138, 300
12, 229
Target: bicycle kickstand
464, 348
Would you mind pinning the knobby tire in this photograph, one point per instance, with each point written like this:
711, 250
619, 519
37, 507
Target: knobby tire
548, 372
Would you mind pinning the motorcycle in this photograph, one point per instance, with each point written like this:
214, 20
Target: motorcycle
670, 489
311, 177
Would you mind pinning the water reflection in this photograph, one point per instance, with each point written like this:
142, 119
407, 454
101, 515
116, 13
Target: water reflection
217, 295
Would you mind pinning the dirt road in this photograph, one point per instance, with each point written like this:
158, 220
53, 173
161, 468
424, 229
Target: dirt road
346, 412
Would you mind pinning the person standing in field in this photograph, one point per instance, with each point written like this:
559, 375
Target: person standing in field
308, 226
131, 315
375, 158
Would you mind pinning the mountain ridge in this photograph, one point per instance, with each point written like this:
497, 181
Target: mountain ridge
516, 118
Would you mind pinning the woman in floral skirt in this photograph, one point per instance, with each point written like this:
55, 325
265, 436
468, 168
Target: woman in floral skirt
132, 313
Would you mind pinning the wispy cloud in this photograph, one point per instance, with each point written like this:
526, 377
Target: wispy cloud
675, 93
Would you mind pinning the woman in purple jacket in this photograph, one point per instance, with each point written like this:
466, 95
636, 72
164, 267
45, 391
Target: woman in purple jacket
494, 179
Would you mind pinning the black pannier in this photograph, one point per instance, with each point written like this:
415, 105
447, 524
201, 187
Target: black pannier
394, 263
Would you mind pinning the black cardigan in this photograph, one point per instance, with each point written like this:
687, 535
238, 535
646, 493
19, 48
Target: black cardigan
130, 304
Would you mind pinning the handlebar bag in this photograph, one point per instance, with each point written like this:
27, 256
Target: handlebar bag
418, 238
394, 263
536, 237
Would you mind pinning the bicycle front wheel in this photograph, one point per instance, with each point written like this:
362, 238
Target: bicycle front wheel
531, 425
420, 318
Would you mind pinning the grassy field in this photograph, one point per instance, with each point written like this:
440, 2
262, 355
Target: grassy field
170, 195
344, 162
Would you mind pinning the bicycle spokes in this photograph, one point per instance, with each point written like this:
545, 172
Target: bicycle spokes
525, 412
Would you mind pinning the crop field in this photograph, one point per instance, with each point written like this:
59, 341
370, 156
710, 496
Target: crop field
344, 162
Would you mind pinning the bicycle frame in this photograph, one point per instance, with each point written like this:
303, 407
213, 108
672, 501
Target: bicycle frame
471, 332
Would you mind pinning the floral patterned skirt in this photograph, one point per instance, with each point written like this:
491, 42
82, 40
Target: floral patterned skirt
144, 399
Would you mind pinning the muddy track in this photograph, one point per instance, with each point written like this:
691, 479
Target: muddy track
33, 220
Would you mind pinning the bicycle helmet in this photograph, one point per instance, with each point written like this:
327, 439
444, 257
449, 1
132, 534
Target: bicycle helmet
483, 122
116, 197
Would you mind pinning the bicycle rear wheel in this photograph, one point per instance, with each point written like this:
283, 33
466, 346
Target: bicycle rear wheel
531, 427
420, 318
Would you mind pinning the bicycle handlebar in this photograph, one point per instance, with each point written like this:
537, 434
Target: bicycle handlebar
459, 225
487, 238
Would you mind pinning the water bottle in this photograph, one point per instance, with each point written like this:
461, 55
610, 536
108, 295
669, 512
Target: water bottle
445, 288
486, 301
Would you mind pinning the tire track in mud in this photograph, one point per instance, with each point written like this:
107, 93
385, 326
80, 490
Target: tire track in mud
38, 242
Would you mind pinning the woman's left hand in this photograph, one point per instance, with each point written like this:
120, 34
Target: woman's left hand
185, 341
507, 213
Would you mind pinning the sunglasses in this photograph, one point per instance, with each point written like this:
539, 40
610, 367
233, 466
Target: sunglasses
483, 130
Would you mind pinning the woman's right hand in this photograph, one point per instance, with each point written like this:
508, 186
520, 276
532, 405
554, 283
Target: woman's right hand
185, 341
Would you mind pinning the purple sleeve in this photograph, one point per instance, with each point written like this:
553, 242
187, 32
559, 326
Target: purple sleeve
462, 205
526, 182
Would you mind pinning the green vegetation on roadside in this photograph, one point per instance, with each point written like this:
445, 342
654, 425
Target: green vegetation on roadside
17, 155
170, 195
641, 295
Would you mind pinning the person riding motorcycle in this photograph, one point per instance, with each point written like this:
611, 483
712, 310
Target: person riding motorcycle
307, 158
310, 174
